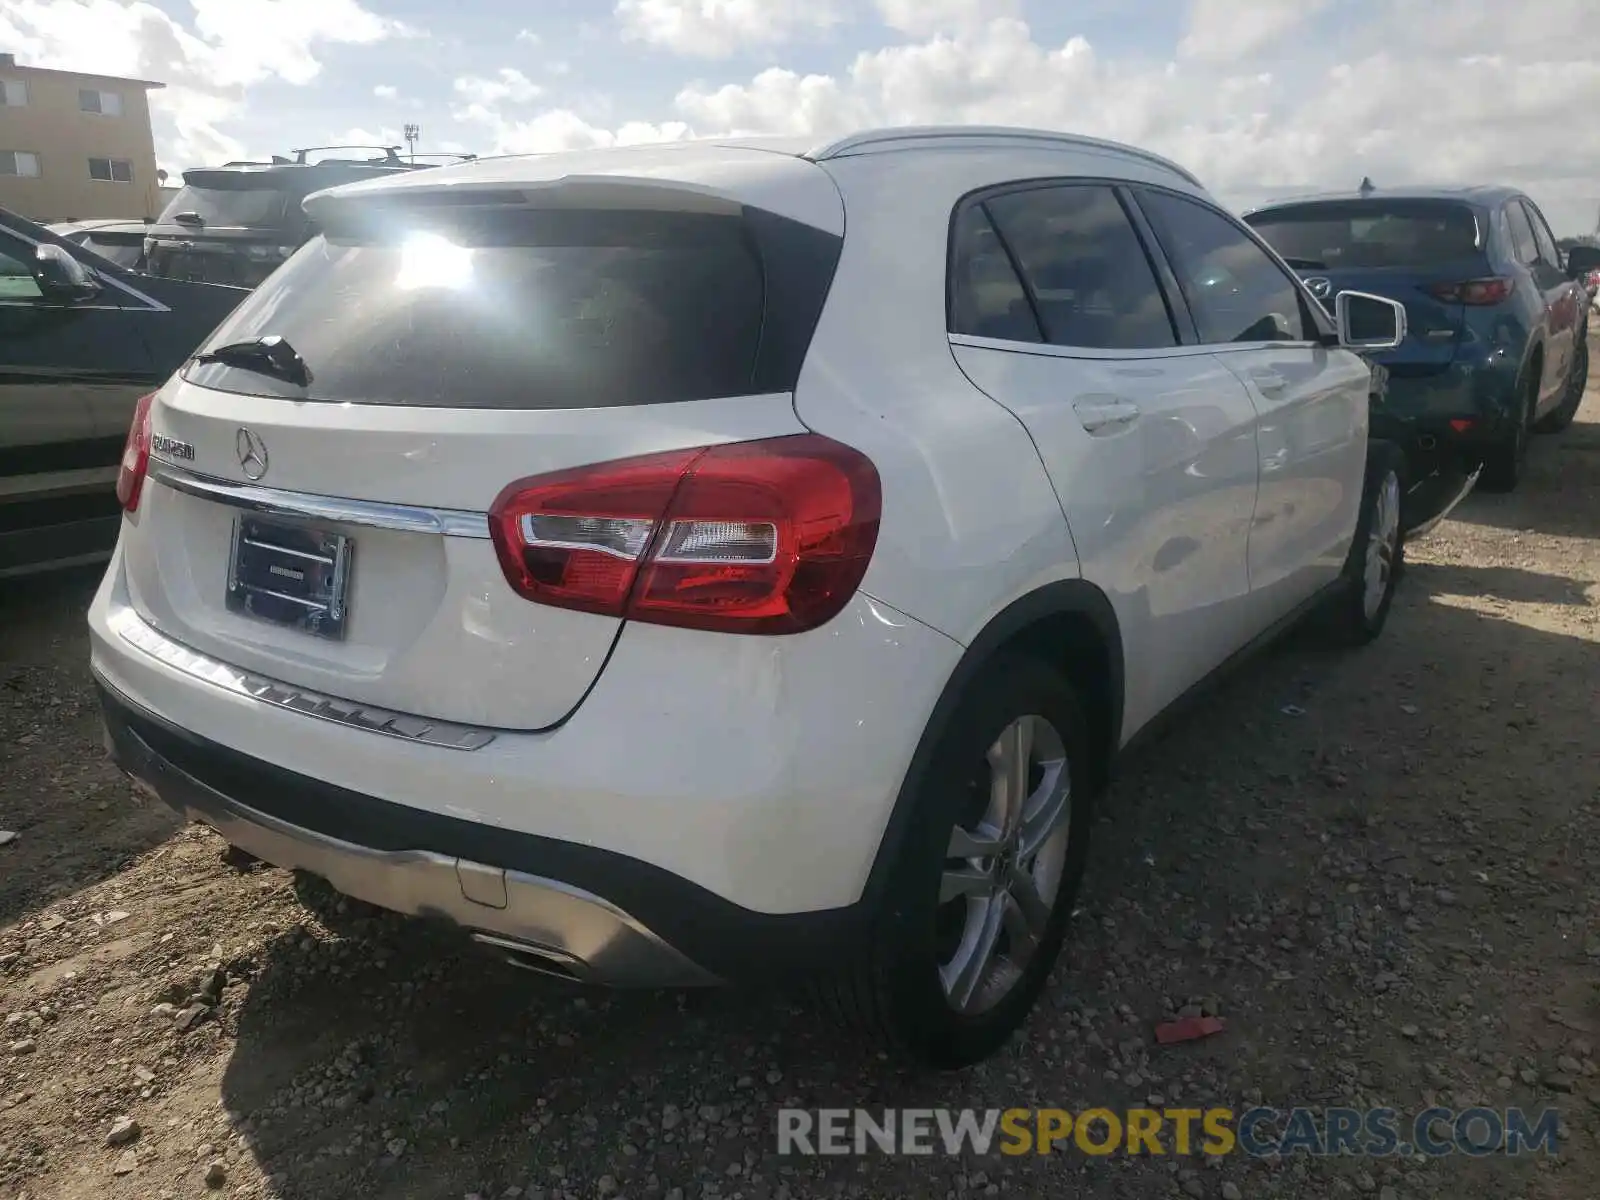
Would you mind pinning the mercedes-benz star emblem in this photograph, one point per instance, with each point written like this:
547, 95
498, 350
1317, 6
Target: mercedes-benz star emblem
1319, 287
252, 453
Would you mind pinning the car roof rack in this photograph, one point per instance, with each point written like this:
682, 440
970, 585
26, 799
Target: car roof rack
459, 157
391, 154
868, 140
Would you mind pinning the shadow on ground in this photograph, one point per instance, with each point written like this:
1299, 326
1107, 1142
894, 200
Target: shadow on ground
1226, 862
68, 805
1570, 510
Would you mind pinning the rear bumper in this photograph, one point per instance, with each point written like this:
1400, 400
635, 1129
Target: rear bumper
563, 928
719, 823
567, 907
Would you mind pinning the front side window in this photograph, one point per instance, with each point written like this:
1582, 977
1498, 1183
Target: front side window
16, 277
111, 170
107, 104
19, 162
13, 93
1235, 290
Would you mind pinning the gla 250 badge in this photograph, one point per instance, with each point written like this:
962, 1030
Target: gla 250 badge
172, 447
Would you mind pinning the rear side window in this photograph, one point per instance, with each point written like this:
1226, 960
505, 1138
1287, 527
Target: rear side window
1370, 234
1523, 243
1085, 279
1542, 237
986, 297
541, 309
1235, 290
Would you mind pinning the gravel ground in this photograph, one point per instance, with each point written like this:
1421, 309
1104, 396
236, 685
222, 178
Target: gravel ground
1371, 864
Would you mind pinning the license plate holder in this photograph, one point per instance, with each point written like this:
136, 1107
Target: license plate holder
292, 575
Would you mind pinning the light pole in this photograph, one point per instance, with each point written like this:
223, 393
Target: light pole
413, 132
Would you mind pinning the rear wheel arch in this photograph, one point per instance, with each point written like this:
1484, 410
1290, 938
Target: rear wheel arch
1069, 625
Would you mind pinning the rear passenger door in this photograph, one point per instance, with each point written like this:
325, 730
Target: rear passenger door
1564, 305
1057, 311
1312, 398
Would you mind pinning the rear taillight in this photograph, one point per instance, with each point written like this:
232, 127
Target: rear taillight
771, 536
1472, 291
135, 456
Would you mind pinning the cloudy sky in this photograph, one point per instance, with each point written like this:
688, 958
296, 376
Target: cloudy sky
1261, 97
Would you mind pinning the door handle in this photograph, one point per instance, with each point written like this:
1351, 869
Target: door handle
1270, 382
1098, 415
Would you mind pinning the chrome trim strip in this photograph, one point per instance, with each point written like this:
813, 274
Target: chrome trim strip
404, 518
444, 734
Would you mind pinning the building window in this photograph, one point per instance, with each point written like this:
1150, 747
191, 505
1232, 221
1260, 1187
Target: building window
19, 162
108, 104
13, 93
111, 170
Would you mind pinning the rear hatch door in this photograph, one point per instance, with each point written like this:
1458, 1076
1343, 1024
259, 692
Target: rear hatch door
1416, 251
453, 350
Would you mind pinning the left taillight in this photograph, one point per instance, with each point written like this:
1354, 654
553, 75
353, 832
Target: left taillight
135, 456
763, 537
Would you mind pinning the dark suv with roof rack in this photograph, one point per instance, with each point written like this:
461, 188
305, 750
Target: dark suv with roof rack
237, 223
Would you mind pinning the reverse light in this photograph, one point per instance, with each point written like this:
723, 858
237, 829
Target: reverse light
770, 536
1476, 292
135, 456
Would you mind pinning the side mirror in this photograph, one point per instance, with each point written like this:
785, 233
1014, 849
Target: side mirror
1368, 322
1581, 260
63, 278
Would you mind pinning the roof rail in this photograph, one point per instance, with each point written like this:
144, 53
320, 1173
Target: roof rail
868, 140
442, 154
390, 153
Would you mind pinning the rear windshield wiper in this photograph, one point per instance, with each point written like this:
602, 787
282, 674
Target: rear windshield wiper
271, 355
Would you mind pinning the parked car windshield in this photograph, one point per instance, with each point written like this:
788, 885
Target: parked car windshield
246, 208
1371, 234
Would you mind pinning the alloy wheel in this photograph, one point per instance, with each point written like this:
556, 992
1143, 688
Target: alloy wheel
1004, 869
1383, 540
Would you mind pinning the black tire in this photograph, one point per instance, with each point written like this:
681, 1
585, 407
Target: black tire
1502, 466
1356, 621
1577, 379
892, 992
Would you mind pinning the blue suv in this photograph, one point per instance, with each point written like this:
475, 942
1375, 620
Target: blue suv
1497, 340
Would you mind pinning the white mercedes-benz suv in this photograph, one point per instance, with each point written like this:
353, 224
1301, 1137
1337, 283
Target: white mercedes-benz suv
742, 558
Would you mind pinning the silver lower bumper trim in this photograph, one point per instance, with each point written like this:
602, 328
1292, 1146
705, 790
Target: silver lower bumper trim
537, 922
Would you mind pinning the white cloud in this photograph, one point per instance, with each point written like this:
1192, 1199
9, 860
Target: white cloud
924, 17
507, 85
208, 64
386, 91
529, 36
1228, 30
719, 28
1404, 101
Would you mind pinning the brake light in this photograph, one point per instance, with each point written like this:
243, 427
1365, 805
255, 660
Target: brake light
770, 536
135, 456
1472, 291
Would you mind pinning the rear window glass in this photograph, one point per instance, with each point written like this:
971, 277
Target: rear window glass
125, 252
1370, 233
246, 208
537, 309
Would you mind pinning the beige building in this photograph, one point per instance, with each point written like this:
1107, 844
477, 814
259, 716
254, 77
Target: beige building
75, 147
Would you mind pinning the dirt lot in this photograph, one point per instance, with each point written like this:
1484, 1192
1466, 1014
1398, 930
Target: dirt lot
1374, 864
